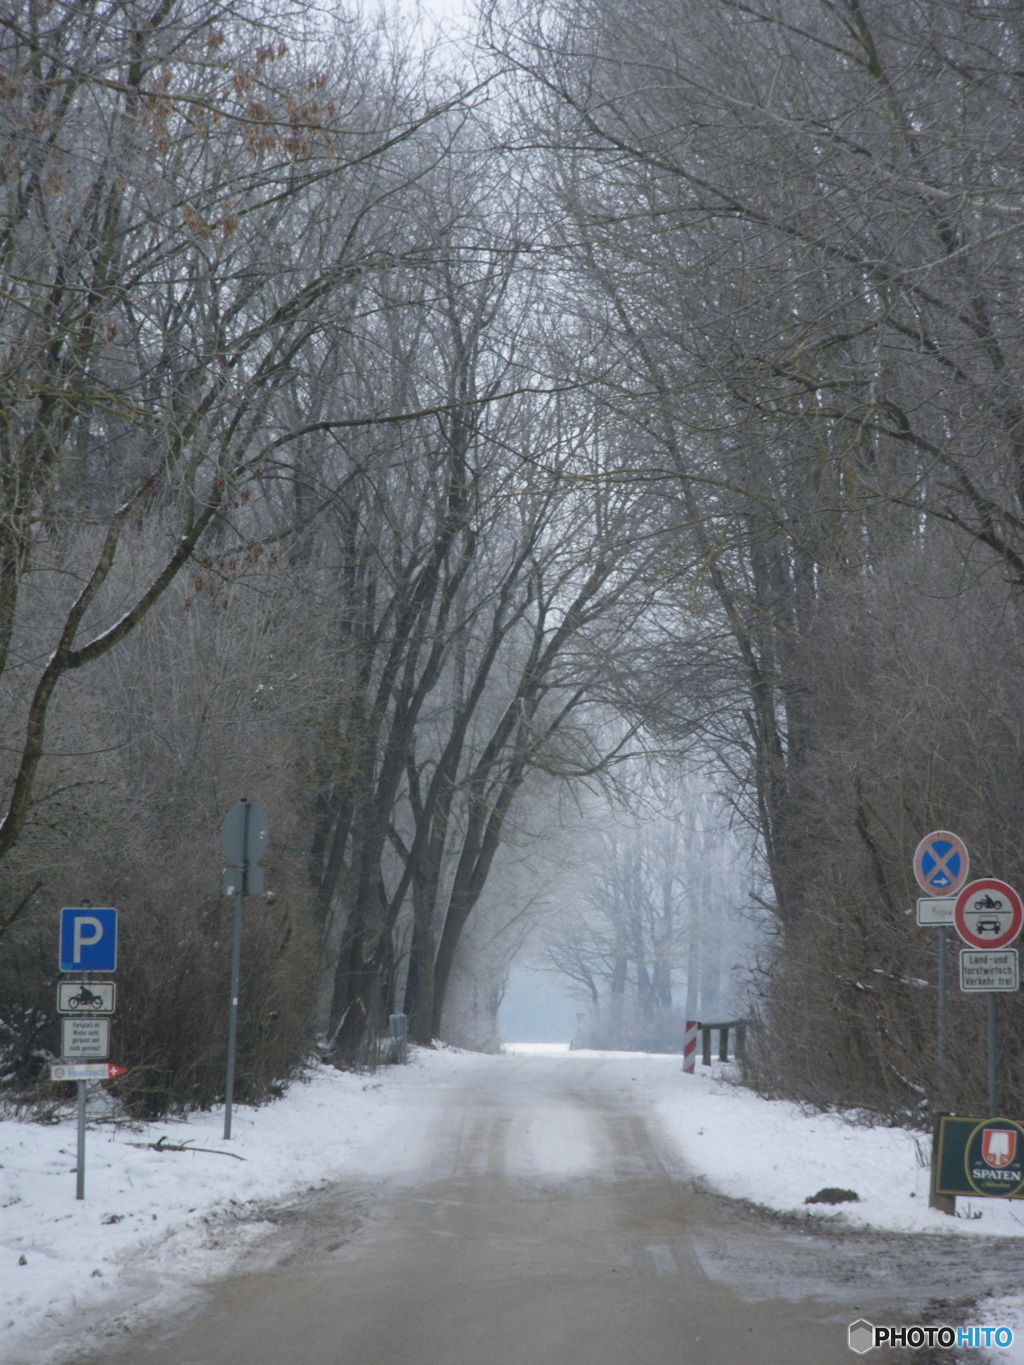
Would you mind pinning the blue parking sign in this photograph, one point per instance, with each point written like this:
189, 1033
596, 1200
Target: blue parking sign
88, 939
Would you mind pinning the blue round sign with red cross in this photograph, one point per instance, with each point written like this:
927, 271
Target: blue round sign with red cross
941, 863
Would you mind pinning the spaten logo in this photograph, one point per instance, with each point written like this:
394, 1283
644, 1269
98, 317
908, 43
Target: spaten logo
998, 1146
994, 1158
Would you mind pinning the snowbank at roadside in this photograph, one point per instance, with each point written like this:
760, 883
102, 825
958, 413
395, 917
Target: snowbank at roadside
184, 1216
776, 1155
187, 1215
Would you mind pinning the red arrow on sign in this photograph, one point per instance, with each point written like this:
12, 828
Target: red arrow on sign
85, 1071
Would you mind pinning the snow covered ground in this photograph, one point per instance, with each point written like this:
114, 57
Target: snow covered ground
176, 1218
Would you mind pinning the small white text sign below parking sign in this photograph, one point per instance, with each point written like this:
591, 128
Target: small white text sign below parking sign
85, 1038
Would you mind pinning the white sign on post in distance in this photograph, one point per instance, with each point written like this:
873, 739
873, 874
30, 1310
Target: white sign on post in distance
935, 911
988, 970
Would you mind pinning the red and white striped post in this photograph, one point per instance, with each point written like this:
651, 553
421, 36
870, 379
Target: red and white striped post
690, 1046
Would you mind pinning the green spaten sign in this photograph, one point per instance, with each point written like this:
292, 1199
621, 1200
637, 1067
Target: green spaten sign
979, 1157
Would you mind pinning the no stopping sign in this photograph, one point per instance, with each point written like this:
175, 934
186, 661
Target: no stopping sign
941, 863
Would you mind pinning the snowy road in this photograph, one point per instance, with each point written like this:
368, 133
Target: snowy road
547, 1218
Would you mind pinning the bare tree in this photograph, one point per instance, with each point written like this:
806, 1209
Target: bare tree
801, 277
192, 196
800, 281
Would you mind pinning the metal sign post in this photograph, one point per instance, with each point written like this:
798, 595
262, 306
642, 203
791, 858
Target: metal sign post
993, 1111
88, 943
82, 1073
243, 838
80, 1164
989, 914
236, 967
941, 866
941, 1039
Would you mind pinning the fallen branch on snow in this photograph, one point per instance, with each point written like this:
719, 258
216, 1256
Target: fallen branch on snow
162, 1145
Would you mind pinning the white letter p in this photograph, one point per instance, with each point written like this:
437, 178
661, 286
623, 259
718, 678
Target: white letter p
80, 939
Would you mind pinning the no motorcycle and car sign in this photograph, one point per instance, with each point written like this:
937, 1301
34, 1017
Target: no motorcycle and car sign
988, 913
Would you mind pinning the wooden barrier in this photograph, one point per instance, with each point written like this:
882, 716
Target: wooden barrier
723, 1026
